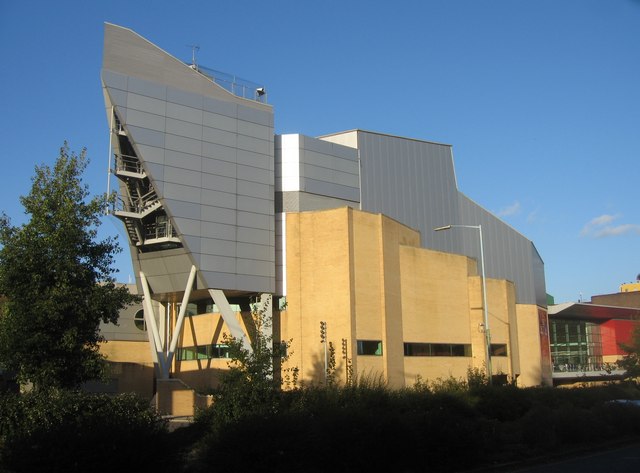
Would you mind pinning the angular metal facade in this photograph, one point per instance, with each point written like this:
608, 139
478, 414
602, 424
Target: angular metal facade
196, 170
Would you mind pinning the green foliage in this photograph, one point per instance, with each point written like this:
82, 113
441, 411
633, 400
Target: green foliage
57, 280
631, 361
251, 386
66, 431
369, 427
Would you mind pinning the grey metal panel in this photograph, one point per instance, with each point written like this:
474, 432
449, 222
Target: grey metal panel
254, 144
329, 189
146, 104
114, 80
221, 122
182, 97
220, 183
118, 97
221, 107
210, 213
252, 129
266, 283
258, 160
255, 267
261, 117
182, 176
410, 181
333, 162
210, 246
155, 170
182, 128
181, 192
254, 189
219, 231
219, 152
221, 280
151, 154
217, 198
310, 171
222, 264
146, 137
187, 226
183, 209
145, 120
538, 276
220, 137
252, 174
192, 242
182, 112
177, 159
257, 252
147, 88
254, 220
252, 235
251, 204
183, 145
218, 167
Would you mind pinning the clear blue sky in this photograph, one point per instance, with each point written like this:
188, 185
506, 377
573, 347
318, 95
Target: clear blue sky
540, 99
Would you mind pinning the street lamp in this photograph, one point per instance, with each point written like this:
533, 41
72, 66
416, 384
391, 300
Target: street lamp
487, 333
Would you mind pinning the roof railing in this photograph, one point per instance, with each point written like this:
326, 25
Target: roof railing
236, 85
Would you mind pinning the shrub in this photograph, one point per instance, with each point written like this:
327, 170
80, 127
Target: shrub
71, 431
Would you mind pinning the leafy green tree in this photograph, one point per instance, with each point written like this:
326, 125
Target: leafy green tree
57, 281
253, 382
631, 361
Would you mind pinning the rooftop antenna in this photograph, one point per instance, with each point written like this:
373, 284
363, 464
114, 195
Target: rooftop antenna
194, 48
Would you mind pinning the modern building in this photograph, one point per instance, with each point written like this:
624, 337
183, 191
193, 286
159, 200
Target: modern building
586, 338
337, 229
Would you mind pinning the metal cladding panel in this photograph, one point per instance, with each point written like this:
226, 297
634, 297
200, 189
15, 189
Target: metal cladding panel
410, 181
414, 182
316, 167
209, 155
507, 253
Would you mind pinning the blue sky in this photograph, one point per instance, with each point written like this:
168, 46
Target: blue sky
540, 100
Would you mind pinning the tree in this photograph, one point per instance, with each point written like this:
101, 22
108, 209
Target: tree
631, 361
56, 280
252, 384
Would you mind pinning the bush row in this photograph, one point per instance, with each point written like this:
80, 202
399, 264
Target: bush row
70, 431
373, 428
442, 427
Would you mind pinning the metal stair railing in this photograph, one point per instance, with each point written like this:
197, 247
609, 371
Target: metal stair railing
126, 163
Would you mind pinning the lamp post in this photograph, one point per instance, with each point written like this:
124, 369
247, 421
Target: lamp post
487, 332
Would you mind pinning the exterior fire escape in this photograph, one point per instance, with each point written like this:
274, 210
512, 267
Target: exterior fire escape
148, 226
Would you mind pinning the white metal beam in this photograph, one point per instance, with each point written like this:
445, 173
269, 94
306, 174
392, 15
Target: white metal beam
183, 310
152, 329
230, 317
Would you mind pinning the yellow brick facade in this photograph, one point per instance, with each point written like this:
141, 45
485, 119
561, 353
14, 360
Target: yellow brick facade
366, 276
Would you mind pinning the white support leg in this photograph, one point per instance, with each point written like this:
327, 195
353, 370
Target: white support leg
152, 329
230, 317
183, 310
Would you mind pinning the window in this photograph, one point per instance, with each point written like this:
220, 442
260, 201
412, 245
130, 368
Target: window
138, 320
202, 352
437, 349
370, 347
498, 349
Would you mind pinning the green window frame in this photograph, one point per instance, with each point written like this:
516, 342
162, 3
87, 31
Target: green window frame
370, 347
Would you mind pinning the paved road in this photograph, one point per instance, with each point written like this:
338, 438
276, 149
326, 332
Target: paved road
625, 459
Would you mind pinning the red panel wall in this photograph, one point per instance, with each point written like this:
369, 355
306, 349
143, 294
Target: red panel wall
613, 333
